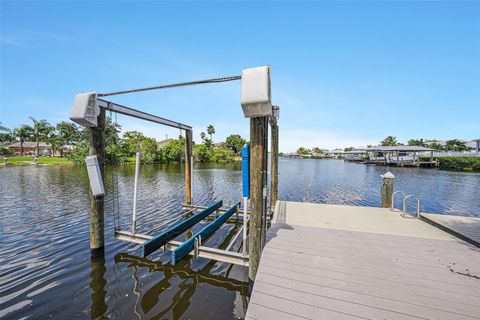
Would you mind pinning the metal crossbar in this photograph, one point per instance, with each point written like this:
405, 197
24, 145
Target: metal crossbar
115, 107
203, 252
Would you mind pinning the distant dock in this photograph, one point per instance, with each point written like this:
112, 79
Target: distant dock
344, 262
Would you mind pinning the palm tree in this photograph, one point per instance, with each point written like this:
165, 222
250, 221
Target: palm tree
41, 129
202, 135
68, 131
211, 131
56, 142
3, 129
23, 133
5, 134
389, 141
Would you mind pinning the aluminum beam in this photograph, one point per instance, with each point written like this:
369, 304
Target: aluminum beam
203, 252
115, 107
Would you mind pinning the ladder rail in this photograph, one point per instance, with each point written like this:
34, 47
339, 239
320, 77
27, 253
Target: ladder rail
393, 198
411, 196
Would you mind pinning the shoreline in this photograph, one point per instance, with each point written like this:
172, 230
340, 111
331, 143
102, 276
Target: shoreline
454, 164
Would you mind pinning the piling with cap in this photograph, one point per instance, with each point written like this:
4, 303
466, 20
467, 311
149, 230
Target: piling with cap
97, 148
256, 105
387, 190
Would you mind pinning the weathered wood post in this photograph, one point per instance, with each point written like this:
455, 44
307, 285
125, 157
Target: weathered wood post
97, 147
188, 165
387, 190
257, 105
258, 126
274, 166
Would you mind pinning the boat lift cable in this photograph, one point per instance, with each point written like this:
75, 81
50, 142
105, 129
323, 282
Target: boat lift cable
173, 85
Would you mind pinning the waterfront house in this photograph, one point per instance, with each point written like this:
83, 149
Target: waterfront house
219, 145
474, 145
163, 143
335, 154
355, 155
30, 148
400, 155
293, 155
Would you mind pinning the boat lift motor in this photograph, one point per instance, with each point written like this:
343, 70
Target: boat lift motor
85, 109
256, 95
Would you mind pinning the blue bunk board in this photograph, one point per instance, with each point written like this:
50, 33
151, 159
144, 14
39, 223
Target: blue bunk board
246, 171
185, 248
172, 232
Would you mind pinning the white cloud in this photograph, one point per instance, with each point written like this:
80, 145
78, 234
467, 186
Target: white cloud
4, 40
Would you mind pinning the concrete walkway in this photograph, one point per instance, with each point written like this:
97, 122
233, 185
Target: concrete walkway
343, 262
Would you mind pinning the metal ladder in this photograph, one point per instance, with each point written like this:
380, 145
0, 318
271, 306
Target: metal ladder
405, 198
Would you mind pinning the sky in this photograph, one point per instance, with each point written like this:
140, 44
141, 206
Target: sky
343, 73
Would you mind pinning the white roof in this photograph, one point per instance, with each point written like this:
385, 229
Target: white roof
399, 148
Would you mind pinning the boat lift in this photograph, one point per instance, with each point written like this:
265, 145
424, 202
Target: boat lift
86, 111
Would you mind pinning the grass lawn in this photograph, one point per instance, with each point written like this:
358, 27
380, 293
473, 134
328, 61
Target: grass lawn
41, 160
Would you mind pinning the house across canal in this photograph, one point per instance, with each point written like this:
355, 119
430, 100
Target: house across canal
400, 156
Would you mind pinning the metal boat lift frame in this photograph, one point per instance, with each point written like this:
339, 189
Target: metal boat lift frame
89, 111
200, 251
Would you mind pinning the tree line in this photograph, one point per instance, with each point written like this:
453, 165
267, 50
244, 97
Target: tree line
450, 145
42, 131
119, 149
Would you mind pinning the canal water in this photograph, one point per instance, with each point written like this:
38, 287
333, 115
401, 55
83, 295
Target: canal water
45, 269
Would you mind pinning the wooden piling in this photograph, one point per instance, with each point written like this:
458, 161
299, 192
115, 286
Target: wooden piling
387, 190
188, 166
274, 166
97, 147
97, 286
258, 127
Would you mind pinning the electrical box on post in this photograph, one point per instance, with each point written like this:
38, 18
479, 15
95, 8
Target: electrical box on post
246, 171
95, 176
85, 109
256, 94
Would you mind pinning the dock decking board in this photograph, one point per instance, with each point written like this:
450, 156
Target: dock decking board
341, 262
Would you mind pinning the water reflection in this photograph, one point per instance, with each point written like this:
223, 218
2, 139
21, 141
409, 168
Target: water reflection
172, 295
97, 284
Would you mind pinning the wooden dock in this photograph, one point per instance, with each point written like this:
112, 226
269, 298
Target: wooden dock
343, 262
